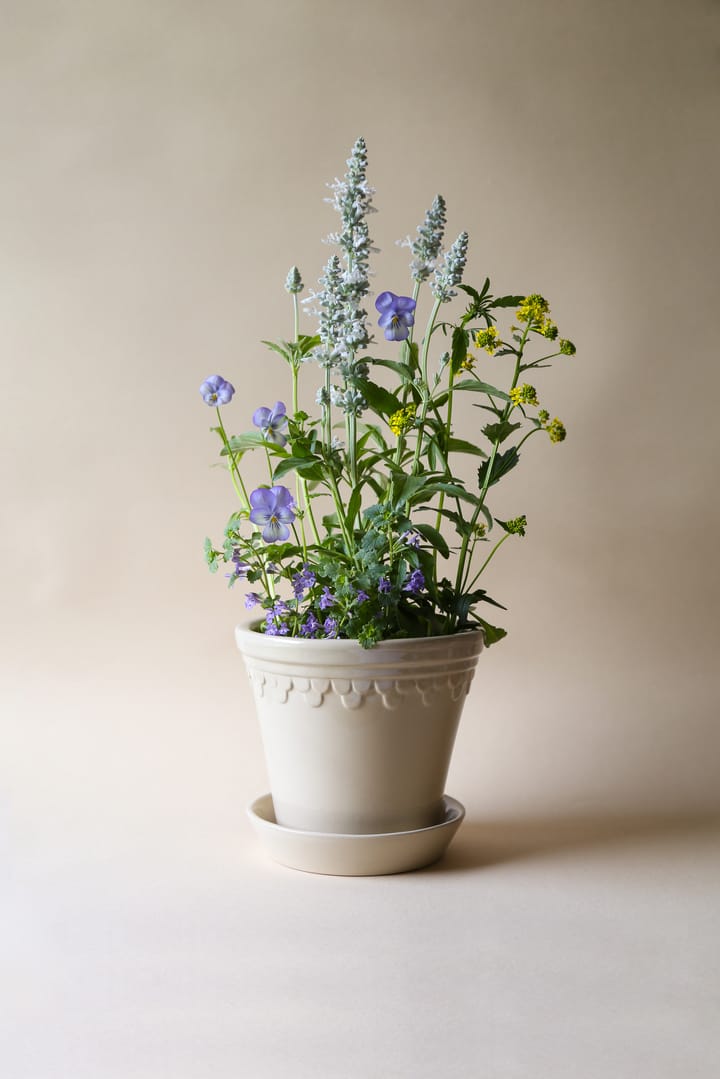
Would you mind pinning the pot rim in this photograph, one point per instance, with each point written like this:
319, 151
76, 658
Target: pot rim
247, 630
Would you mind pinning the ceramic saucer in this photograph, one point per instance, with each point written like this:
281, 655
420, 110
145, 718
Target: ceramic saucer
354, 855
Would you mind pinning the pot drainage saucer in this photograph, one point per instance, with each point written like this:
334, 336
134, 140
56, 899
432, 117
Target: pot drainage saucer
354, 855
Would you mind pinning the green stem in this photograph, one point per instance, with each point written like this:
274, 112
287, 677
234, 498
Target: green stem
426, 388
241, 492
497, 547
349, 546
448, 428
460, 576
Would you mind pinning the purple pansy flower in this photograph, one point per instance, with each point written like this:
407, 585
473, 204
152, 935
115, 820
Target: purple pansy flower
272, 507
384, 585
216, 391
270, 420
415, 582
396, 315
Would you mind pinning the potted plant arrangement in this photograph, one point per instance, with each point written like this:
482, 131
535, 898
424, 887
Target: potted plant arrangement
363, 553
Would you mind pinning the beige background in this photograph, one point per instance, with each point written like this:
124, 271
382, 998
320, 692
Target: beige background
163, 165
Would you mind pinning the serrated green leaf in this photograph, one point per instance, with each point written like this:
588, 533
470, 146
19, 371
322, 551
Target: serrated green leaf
501, 465
498, 432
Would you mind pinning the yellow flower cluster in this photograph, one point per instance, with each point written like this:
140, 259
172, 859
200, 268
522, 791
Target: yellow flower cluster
402, 420
469, 362
524, 395
488, 339
556, 430
533, 309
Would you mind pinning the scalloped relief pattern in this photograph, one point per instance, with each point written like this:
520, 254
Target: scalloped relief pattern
352, 692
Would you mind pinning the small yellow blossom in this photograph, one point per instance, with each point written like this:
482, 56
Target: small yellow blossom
524, 395
401, 421
469, 362
556, 430
548, 329
533, 309
488, 339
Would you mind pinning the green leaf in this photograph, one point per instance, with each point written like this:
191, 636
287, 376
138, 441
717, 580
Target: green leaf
406, 488
501, 465
379, 399
353, 506
401, 369
476, 386
460, 344
307, 343
507, 301
492, 634
240, 444
434, 537
452, 489
284, 352
309, 467
459, 445
498, 432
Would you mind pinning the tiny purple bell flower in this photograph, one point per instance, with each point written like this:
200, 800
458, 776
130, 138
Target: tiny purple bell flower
415, 582
216, 391
327, 599
396, 315
270, 421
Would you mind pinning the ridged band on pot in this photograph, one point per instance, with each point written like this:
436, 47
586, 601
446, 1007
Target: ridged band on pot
358, 741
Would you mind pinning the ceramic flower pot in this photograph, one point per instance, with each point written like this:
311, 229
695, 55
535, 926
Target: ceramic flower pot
358, 742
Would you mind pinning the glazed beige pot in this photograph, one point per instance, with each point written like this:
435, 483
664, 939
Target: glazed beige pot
358, 742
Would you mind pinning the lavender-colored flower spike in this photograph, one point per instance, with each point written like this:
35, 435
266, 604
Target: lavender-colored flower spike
216, 391
293, 281
428, 245
452, 270
270, 421
396, 315
272, 507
